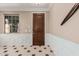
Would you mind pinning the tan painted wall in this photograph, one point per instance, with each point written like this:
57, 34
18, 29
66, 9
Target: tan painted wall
25, 18
69, 30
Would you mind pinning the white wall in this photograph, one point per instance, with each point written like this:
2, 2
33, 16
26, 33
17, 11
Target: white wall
16, 39
62, 46
25, 24
25, 18
69, 30
1, 23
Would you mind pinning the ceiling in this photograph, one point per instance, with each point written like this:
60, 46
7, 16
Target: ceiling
24, 6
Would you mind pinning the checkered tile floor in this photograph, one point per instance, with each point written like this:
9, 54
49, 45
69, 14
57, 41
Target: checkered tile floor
23, 50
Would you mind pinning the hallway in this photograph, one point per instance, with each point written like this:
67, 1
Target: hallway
39, 29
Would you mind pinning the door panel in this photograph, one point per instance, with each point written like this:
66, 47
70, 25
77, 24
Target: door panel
38, 29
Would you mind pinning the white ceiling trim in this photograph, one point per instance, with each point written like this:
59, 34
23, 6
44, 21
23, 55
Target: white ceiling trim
24, 7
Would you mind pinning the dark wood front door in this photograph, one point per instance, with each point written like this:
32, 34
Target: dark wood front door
38, 29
